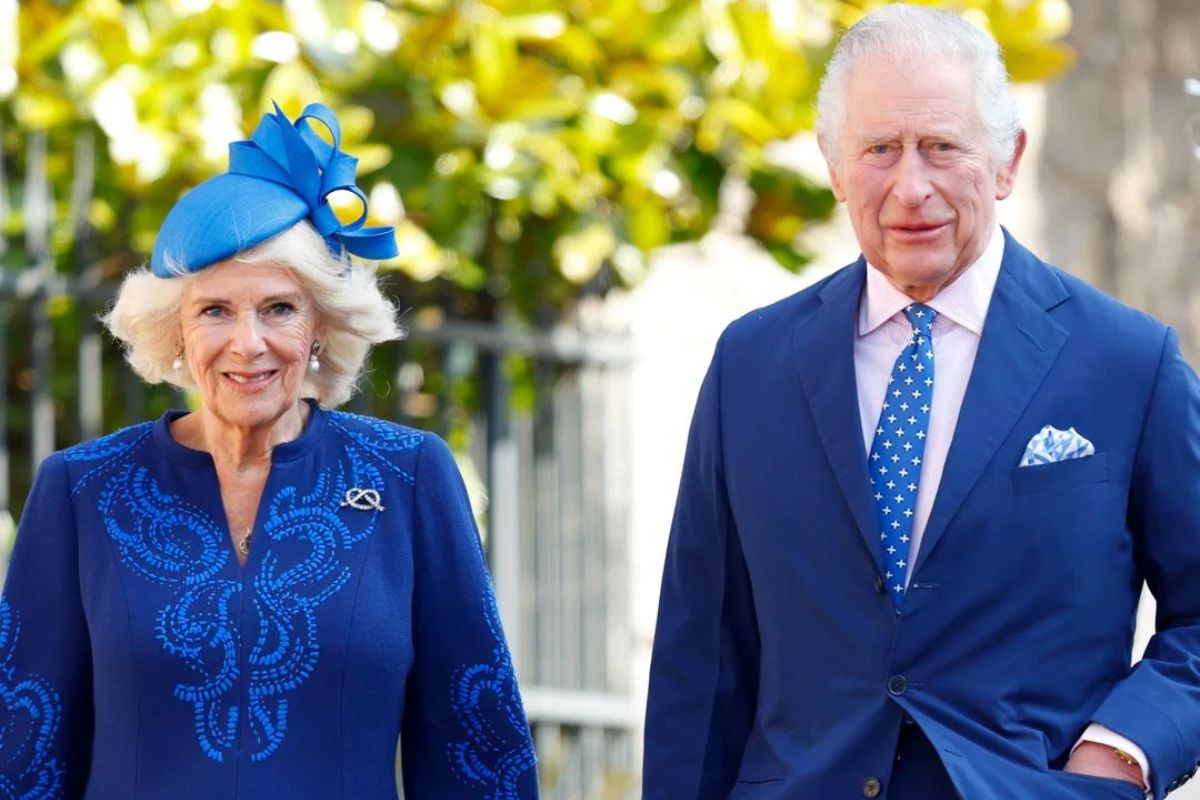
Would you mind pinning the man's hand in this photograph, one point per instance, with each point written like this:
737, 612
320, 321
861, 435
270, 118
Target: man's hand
1100, 761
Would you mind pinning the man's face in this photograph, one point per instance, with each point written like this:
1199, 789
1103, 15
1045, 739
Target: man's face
916, 171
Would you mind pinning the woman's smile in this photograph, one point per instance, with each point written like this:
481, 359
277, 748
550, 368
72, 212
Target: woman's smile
249, 330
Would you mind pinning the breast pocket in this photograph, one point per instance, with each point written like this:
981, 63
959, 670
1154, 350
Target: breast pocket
1059, 476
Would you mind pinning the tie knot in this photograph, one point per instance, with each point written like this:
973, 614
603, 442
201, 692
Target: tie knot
920, 316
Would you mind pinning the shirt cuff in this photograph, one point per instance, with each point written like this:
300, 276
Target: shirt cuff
1101, 735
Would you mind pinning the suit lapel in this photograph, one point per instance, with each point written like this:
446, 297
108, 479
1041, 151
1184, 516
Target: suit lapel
1019, 346
824, 356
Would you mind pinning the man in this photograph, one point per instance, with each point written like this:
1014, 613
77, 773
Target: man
920, 497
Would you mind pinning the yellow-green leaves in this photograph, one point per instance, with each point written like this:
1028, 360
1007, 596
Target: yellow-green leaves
523, 148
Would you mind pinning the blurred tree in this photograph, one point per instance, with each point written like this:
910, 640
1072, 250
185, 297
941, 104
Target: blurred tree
529, 152
1122, 208
541, 148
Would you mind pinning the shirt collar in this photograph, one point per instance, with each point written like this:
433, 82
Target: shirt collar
965, 301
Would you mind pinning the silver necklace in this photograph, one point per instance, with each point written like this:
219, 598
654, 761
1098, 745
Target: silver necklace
243, 541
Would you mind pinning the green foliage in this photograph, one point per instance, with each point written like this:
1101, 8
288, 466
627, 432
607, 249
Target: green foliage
541, 148
529, 152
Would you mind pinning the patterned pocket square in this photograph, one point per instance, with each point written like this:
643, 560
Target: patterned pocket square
1051, 445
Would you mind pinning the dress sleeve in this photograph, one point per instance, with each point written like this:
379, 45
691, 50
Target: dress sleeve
45, 656
464, 732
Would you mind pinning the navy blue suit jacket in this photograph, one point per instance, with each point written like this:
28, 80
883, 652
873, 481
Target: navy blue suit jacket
777, 660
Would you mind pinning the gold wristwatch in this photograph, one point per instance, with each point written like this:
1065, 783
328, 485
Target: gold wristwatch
1128, 759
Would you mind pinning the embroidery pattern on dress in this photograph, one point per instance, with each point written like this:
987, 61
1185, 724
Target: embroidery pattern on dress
286, 598
492, 758
164, 539
105, 449
379, 440
30, 714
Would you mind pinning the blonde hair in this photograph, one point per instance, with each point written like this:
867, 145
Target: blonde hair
354, 315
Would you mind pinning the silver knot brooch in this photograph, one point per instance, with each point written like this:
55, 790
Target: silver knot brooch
362, 499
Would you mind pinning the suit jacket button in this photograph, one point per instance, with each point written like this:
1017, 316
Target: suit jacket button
871, 787
879, 587
897, 685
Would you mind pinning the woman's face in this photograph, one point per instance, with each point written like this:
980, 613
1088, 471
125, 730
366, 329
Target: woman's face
248, 331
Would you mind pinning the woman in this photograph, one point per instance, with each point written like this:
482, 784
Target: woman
254, 600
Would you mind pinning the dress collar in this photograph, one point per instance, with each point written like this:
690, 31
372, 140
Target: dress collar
288, 451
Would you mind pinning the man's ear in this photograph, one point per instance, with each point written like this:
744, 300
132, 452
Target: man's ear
1006, 176
835, 179
835, 183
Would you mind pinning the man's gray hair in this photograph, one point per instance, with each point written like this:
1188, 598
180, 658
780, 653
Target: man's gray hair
904, 33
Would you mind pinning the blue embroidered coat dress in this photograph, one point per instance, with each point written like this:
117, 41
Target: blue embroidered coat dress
139, 661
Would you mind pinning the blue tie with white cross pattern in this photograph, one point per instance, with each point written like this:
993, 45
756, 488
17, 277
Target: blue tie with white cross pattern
899, 447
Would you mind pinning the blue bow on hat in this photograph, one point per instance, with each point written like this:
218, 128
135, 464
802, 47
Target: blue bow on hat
283, 174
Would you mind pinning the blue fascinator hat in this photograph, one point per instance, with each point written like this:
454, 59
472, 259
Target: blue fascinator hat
283, 174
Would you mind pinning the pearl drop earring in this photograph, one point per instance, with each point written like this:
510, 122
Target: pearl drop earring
314, 363
177, 364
